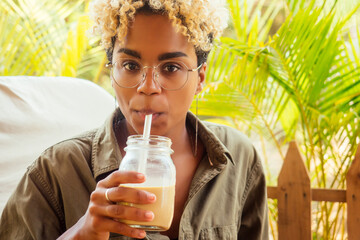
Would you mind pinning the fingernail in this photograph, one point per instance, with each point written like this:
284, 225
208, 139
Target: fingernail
151, 196
149, 215
142, 234
140, 176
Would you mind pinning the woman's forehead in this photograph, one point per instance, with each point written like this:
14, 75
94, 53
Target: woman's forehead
154, 35
153, 28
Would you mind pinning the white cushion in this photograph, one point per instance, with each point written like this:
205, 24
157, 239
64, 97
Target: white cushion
37, 112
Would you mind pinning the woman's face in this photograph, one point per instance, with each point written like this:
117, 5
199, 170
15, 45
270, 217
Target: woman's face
152, 39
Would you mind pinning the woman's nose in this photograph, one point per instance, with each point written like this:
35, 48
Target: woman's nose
149, 84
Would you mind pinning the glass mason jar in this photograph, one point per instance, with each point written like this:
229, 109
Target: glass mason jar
152, 158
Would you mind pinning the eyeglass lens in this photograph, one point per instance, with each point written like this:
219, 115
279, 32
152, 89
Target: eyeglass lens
171, 75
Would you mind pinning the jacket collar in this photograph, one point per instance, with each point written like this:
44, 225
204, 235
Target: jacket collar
217, 153
106, 155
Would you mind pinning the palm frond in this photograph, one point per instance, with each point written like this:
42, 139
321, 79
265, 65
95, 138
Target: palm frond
44, 28
242, 90
252, 20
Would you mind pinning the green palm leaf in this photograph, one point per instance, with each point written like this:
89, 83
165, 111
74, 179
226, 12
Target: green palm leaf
252, 20
44, 29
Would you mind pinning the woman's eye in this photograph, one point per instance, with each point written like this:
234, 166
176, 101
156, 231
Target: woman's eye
130, 66
171, 68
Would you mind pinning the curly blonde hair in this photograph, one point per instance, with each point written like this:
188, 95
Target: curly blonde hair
200, 21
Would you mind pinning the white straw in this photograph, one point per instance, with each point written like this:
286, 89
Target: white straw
147, 126
146, 136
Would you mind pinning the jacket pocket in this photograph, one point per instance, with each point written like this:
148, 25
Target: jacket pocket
219, 233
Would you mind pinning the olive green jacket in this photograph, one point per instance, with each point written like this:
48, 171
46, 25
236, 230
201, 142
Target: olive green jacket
227, 197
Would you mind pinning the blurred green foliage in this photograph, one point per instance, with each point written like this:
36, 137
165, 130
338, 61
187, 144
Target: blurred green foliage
284, 70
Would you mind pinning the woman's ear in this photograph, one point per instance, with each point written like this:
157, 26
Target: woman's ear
201, 80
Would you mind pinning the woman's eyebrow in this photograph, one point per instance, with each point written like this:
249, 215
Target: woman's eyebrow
130, 52
161, 57
169, 55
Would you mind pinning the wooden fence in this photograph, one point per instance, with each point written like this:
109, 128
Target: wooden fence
294, 195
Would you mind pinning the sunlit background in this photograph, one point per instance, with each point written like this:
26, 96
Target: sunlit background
284, 70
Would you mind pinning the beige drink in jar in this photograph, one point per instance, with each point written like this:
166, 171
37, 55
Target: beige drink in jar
160, 174
163, 209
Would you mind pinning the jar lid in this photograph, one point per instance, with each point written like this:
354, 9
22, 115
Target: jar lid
153, 142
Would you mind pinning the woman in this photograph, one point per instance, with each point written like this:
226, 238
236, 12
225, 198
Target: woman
71, 191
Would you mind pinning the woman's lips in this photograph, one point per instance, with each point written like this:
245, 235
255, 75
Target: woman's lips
143, 113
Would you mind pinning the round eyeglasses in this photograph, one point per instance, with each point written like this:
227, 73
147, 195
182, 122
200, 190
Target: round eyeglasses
170, 75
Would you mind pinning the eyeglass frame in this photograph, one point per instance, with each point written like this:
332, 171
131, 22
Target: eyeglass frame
154, 77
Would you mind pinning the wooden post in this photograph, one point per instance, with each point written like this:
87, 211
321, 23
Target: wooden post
294, 199
353, 198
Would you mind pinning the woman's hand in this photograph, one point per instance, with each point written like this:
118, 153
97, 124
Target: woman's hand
100, 217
